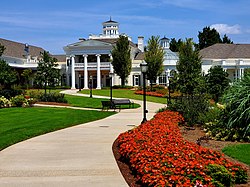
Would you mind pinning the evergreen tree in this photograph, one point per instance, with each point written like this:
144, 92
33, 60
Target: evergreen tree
217, 81
27, 74
175, 45
208, 37
2, 48
154, 57
47, 74
226, 40
121, 58
189, 68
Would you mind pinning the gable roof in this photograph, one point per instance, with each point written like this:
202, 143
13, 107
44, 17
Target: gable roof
60, 58
225, 51
16, 49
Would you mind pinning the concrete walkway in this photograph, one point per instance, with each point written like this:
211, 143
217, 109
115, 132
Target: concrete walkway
77, 156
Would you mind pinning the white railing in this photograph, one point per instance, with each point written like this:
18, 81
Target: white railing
93, 65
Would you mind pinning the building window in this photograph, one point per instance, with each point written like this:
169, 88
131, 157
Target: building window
163, 80
136, 80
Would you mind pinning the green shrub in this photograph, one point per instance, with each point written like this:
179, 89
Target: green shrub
220, 175
190, 107
10, 93
53, 97
122, 87
18, 101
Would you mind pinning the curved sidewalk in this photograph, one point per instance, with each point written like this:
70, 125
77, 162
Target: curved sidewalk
76, 156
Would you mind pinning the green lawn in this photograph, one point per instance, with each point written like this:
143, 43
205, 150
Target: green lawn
125, 93
87, 102
240, 152
18, 124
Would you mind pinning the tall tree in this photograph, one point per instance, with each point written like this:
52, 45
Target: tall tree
208, 37
174, 45
217, 81
47, 74
189, 68
226, 40
8, 77
27, 74
121, 58
154, 57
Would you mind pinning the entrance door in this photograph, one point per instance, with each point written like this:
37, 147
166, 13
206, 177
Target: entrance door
136, 80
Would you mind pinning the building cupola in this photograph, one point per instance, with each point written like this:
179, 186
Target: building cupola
110, 28
164, 43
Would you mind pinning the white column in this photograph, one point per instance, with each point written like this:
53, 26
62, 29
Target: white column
98, 72
111, 70
241, 72
86, 72
73, 73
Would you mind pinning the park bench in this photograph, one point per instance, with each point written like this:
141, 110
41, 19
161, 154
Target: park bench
116, 104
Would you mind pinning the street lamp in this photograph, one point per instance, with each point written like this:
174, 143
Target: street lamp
169, 87
79, 82
91, 85
144, 69
111, 79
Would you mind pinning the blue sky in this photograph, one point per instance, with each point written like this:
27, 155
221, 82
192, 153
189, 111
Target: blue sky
52, 24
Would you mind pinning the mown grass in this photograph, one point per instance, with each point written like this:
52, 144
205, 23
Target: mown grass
87, 102
125, 93
239, 152
18, 124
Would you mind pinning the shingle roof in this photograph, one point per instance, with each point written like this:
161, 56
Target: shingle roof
16, 49
114, 40
225, 51
60, 58
140, 56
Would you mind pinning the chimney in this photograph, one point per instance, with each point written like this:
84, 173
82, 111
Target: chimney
141, 43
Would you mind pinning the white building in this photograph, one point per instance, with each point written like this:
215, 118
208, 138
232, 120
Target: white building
91, 59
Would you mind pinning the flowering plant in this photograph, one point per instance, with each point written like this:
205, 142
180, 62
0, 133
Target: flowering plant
155, 94
160, 156
4, 102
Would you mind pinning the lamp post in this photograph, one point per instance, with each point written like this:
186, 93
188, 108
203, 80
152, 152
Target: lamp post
91, 85
79, 82
111, 79
144, 69
169, 88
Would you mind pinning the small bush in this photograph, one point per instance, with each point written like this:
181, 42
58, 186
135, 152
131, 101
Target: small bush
18, 101
53, 97
10, 93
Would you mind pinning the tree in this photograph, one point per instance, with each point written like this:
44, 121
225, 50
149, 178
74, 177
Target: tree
174, 45
217, 82
154, 57
27, 74
8, 77
2, 48
208, 37
226, 40
121, 58
189, 68
47, 74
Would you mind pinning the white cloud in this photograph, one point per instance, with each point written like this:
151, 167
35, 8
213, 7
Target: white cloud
227, 29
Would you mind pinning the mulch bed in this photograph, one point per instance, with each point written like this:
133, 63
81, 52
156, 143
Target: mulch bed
189, 134
53, 103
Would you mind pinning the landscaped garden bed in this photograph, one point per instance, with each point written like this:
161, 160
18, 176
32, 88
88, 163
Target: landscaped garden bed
158, 155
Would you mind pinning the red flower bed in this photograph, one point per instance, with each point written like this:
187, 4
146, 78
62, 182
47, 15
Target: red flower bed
160, 156
140, 92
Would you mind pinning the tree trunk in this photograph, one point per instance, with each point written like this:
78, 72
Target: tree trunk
123, 82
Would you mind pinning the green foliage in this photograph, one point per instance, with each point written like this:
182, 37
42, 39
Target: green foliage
217, 82
27, 74
189, 68
18, 100
121, 58
8, 77
192, 108
10, 93
221, 177
2, 48
52, 97
154, 57
175, 45
47, 74
208, 37
237, 111
226, 40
